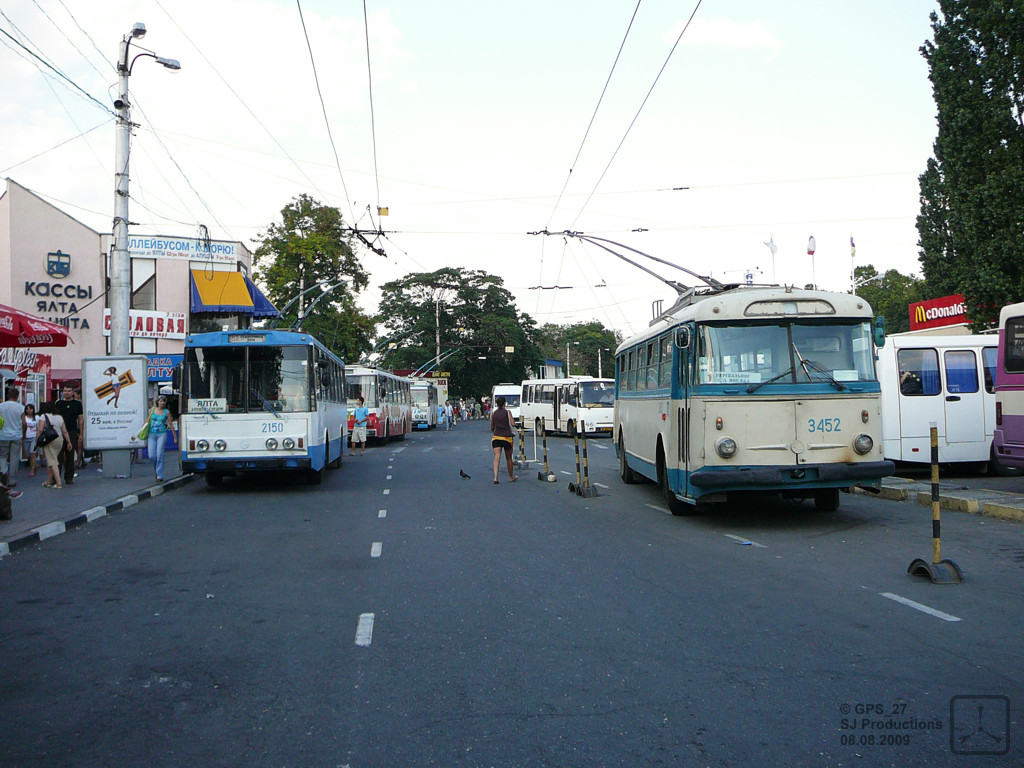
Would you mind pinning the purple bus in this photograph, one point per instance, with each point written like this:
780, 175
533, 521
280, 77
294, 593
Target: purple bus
1008, 436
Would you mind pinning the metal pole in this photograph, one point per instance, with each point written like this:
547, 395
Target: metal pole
586, 468
936, 524
599, 363
544, 443
120, 263
576, 446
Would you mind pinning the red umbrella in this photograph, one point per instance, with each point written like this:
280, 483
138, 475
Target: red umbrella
20, 329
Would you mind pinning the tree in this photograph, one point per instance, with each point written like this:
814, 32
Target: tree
312, 245
890, 295
474, 318
971, 223
588, 342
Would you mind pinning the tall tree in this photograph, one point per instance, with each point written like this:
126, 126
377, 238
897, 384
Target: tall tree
311, 246
971, 223
474, 318
591, 347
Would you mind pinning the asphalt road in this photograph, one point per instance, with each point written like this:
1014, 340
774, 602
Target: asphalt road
398, 615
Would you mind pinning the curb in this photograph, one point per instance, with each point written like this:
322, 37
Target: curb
48, 531
998, 504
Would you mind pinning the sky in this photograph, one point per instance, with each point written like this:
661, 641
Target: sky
478, 123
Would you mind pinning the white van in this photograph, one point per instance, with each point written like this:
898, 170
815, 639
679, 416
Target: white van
511, 393
946, 379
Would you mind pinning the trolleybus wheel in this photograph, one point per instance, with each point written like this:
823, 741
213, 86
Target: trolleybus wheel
826, 499
628, 475
213, 479
675, 506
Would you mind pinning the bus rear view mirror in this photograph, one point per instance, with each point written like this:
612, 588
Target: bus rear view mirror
878, 332
683, 338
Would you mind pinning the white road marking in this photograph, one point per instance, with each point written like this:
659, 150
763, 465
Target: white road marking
920, 607
564, 472
660, 509
601, 485
50, 530
387, 491
388, 477
748, 542
602, 447
382, 513
398, 450
375, 548
428, 448
364, 630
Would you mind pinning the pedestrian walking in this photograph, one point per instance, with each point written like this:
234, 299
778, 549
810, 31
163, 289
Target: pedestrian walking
501, 438
160, 423
10, 437
449, 412
69, 408
29, 422
53, 449
361, 417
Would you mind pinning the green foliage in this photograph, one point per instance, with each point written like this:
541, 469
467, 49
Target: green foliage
584, 340
475, 318
971, 223
890, 295
311, 245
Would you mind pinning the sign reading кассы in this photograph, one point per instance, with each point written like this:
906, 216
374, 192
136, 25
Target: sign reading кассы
935, 313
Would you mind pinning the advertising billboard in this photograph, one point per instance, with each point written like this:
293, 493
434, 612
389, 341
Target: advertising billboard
114, 400
935, 313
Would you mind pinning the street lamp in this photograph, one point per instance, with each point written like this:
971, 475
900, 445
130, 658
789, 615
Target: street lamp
120, 263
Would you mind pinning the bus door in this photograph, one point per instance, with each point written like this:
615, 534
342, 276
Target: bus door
964, 397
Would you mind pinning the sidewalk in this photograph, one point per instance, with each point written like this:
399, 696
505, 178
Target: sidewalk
957, 498
44, 512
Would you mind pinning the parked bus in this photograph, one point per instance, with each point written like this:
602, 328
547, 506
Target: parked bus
258, 400
511, 393
948, 380
752, 389
565, 403
387, 396
1008, 437
424, 404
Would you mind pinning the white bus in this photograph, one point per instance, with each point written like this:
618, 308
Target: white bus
752, 389
424, 404
564, 404
949, 380
387, 396
258, 400
511, 394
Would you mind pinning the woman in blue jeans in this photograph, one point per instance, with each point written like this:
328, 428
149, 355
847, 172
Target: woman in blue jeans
160, 424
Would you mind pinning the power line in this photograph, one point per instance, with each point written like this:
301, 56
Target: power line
55, 146
323, 107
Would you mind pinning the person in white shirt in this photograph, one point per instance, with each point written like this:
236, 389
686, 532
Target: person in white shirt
10, 437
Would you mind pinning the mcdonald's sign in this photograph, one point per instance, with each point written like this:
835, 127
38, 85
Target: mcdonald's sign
935, 313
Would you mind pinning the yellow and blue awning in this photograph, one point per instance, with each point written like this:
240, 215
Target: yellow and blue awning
228, 293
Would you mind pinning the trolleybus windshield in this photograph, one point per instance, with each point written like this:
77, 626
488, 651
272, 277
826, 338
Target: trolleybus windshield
784, 353
248, 379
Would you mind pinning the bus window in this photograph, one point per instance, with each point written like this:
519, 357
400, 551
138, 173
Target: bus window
961, 371
279, 376
1013, 357
919, 372
665, 363
653, 358
988, 361
641, 368
216, 373
631, 374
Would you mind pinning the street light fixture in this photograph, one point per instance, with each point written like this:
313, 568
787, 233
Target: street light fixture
120, 263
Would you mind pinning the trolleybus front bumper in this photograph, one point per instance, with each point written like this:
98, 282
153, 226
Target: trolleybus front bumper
245, 465
790, 476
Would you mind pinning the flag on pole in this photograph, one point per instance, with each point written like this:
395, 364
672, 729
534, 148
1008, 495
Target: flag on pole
853, 248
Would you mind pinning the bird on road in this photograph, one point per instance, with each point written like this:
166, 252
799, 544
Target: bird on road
464, 476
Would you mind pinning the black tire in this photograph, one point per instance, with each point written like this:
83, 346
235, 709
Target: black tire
995, 469
213, 479
538, 429
628, 475
826, 499
675, 506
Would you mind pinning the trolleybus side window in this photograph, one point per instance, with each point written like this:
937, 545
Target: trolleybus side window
665, 364
919, 372
989, 356
653, 356
1013, 357
961, 371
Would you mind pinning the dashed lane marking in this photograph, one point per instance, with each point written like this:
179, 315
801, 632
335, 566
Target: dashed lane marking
382, 513
387, 491
920, 607
376, 548
364, 630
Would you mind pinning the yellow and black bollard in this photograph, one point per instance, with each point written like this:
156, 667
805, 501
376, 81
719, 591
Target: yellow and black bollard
547, 475
938, 570
575, 487
586, 490
522, 463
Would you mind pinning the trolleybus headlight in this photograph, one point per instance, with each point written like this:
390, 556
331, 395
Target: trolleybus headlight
271, 443
726, 447
863, 444
220, 445
288, 443
202, 445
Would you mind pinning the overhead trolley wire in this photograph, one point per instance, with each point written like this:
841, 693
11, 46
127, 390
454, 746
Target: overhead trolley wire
637, 115
323, 107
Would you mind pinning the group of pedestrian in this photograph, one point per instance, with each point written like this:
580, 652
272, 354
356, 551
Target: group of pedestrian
54, 433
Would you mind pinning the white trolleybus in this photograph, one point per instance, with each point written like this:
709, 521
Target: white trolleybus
257, 400
752, 389
424, 404
564, 404
388, 398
